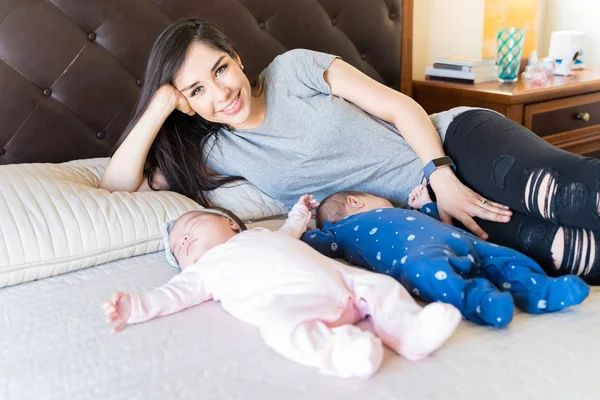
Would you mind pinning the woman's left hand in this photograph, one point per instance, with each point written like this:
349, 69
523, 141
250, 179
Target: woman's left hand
455, 200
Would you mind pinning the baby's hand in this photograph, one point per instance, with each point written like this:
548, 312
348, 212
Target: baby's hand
308, 201
118, 310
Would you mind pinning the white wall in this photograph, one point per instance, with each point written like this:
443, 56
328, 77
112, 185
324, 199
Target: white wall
580, 15
446, 27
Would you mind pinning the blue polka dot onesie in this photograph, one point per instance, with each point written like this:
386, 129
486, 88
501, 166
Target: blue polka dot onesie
439, 262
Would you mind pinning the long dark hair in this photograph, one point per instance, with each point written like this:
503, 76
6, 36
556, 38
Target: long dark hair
233, 217
179, 148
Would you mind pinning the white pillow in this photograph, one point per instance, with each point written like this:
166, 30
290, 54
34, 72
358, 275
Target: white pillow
247, 202
241, 197
54, 220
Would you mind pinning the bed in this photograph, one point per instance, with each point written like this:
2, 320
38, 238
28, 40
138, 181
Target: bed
56, 345
70, 72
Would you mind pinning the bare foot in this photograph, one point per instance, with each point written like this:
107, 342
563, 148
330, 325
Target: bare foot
418, 197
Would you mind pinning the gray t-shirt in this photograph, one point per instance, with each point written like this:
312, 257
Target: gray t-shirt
313, 142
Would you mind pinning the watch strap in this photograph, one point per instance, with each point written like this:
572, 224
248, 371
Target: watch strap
437, 163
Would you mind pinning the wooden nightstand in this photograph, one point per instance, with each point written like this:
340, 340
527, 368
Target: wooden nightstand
565, 111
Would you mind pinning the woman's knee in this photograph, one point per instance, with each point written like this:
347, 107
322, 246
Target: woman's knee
575, 251
540, 194
546, 197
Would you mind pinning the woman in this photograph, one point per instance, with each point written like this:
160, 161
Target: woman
314, 124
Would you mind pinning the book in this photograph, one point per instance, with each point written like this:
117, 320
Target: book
481, 69
461, 76
464, 61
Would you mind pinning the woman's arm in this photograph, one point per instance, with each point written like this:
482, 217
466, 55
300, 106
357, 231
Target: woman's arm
390, 105
125, 171
454, 199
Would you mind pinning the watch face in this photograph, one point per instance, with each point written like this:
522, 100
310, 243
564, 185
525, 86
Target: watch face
438, 162
435, 164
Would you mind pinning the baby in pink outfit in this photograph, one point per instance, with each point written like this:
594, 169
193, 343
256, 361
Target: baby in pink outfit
304, 304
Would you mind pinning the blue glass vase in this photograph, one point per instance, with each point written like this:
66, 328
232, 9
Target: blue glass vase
510, 43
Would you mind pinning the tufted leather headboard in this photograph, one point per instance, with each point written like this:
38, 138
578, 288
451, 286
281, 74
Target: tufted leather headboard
70, 70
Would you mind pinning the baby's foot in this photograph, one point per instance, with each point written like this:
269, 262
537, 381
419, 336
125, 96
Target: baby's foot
496, 309
418, 197
561, 292
354, 353
433, 326
485, 304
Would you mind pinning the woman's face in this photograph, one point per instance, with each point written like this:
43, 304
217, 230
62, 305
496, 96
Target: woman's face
215, 86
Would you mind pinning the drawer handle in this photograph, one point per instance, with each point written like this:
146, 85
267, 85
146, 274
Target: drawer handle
585, 117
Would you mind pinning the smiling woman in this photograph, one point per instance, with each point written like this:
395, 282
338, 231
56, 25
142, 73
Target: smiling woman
313, 123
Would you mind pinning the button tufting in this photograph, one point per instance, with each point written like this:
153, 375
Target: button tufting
47, 92
2, 151
100, 135
334, 21
262, 25
139, 82
392, 15
91, 36
363, 56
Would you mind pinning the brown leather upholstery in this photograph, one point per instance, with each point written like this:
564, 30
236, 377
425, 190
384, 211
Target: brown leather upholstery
70, 69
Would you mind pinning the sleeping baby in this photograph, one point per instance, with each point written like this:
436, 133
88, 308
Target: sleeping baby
437, 261
304, 304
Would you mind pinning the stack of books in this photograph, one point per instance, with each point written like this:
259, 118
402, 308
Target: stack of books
463, 69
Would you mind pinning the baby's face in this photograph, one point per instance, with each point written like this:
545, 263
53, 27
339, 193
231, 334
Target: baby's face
197, 232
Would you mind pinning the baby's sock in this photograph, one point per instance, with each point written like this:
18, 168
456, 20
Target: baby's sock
545, 294
353, 353
432, 327
484, 304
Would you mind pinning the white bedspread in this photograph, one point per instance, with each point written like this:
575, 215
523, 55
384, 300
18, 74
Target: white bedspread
55, 344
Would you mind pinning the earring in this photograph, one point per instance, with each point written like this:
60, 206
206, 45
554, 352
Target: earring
242, 67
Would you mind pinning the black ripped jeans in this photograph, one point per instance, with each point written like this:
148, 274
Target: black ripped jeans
552, 193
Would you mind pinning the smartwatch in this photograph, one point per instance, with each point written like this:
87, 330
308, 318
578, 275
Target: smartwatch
437, 163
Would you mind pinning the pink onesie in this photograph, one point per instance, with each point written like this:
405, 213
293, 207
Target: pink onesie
304, 303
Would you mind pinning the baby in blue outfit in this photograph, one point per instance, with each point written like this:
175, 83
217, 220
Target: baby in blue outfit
436, 261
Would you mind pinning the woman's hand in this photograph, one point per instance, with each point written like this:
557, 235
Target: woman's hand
125, 171
173, 99
456, 200
118, 311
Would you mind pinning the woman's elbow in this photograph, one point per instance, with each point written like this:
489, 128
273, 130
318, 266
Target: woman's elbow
111, 184
114, 186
